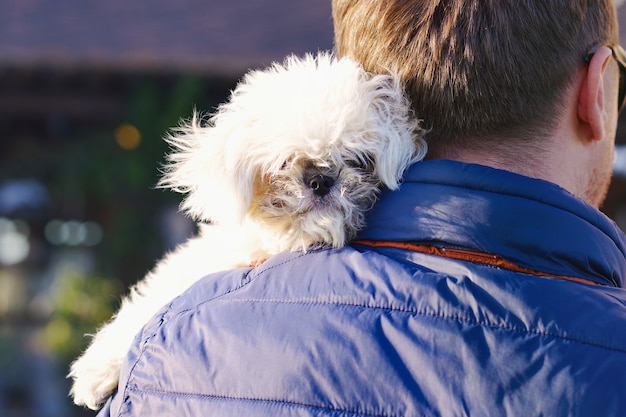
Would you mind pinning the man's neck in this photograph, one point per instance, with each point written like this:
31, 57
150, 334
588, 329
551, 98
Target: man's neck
558, 159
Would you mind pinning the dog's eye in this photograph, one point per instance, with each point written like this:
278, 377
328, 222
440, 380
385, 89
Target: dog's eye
357, 164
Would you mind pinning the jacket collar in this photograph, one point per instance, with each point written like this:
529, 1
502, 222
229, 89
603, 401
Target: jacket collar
533, 223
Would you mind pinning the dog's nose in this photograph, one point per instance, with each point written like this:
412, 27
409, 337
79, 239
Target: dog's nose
321, 184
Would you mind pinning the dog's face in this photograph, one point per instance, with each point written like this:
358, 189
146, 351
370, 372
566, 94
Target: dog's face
316, 201
300, 150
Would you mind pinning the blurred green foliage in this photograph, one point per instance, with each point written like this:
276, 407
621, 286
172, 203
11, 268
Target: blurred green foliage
116, 186
82, 302
89, 176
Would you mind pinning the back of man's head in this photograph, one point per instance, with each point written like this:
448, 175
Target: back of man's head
477, 71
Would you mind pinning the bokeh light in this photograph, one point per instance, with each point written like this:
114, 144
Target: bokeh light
127, 136
14, 245
73, 233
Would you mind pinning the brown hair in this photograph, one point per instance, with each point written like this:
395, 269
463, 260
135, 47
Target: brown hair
477, 70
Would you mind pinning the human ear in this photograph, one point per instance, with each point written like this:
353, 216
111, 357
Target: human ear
591, 100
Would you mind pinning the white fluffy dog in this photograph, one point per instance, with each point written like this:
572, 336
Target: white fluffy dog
291, 162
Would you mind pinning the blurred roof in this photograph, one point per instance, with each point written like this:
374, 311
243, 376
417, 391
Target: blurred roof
225, 36
201, 35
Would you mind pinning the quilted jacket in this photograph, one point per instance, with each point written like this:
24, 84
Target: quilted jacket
472, 292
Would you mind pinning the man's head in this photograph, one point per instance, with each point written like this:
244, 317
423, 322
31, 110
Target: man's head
478, 72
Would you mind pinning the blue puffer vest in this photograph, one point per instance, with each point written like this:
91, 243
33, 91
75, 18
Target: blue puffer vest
473, 291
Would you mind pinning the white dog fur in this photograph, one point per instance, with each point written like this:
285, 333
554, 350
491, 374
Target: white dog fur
291, 162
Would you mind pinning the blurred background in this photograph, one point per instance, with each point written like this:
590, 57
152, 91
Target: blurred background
87, 91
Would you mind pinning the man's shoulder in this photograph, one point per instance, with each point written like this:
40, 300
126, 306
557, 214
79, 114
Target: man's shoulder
337, 321
320, 274
419, 285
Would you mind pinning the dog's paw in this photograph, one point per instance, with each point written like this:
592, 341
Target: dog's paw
94, 380
257, 262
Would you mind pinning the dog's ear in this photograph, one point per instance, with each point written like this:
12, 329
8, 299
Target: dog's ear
400, 136
203, 165
399, 149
